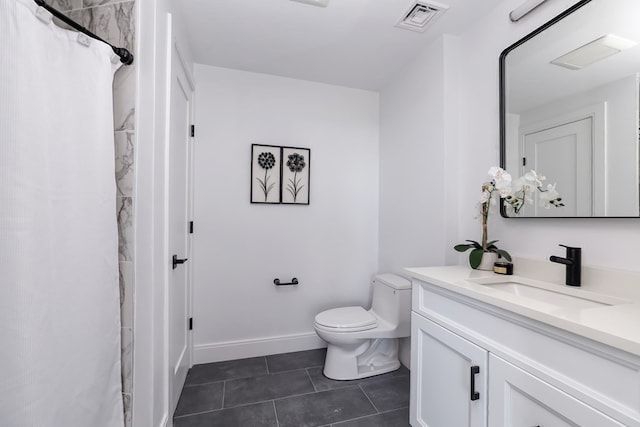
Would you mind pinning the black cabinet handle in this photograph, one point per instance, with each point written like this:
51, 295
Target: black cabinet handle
474, 394
177, 261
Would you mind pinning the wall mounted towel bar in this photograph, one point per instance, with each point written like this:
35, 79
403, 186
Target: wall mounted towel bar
294, 281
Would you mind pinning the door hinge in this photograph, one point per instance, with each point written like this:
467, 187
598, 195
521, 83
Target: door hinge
190, 227
193, 131
191, 323
524, 161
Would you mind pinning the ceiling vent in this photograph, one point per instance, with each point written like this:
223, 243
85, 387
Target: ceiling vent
594, 51
420, 15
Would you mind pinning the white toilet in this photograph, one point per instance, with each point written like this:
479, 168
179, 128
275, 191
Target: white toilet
363, 343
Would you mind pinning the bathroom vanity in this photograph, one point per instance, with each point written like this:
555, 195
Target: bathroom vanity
493, 350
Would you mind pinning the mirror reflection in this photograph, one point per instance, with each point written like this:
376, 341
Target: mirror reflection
570, 109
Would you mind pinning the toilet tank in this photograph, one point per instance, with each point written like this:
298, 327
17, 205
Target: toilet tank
392, 299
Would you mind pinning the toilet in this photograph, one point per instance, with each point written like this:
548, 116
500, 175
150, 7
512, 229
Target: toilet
363, 343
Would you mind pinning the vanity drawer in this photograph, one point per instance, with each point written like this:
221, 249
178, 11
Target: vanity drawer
603, 377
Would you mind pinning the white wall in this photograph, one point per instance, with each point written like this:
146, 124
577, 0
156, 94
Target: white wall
418, 197
412, 172
331, 245
605, 242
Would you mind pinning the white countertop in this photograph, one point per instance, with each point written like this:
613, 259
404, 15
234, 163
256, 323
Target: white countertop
615, 325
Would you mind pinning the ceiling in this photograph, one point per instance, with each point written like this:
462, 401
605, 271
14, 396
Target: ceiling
349, 43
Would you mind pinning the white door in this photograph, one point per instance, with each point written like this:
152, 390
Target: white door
517, 398
564, 155
448, 381
179, 211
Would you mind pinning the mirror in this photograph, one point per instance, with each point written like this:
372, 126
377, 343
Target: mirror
569, 109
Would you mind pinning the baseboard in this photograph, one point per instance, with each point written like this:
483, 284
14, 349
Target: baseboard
241, 349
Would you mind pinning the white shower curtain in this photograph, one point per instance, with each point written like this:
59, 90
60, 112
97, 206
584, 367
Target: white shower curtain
59, 298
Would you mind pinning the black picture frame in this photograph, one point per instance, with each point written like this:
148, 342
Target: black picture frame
266, 174
295, 176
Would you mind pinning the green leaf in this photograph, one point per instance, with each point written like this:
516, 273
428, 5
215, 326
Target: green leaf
504, 254
475, 257
492, 242
462, 248
475, 244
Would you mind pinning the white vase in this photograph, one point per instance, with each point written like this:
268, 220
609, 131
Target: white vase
488, 259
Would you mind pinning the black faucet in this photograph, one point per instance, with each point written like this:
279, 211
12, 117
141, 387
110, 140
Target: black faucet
573, 261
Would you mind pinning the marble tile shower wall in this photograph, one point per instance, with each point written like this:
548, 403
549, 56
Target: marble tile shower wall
113, 20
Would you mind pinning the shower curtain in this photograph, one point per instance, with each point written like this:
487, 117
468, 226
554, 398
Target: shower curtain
59, 298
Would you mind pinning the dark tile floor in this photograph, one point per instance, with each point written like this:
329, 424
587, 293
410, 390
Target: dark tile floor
289, 390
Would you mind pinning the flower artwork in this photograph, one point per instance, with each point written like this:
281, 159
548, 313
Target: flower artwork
265, 171
295, 164
295, 175
514, 194
280, 174
266, 161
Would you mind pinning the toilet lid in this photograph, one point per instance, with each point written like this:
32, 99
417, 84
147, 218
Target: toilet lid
347, 317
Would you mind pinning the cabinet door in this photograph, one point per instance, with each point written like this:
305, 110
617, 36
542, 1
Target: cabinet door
448, 377
519, 399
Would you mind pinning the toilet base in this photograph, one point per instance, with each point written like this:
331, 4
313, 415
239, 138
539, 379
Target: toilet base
363, 359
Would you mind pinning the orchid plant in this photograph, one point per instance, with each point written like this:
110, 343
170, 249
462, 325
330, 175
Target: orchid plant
514, 193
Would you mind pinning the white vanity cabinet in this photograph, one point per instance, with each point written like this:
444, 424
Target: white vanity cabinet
517, 398
529, 373
450, 366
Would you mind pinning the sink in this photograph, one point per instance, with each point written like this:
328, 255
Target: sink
556, 295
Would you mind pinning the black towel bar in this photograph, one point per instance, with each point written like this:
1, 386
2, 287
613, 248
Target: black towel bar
294, 281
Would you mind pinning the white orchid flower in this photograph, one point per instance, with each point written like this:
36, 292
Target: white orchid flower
546, 197
533, 177
495, 172
520, 184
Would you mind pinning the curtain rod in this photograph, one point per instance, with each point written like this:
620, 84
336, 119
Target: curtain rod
125, 56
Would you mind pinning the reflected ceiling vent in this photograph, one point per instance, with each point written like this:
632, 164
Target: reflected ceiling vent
420, 15
592, 52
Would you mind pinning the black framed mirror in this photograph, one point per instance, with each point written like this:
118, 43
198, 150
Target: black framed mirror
570, 109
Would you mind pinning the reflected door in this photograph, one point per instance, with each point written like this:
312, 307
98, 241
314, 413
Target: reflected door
563, 154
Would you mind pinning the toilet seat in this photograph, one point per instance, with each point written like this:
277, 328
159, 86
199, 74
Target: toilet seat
346, 319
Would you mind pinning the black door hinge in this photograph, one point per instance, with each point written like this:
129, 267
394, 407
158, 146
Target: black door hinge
190, 227
191, 323
193, 131
524, 161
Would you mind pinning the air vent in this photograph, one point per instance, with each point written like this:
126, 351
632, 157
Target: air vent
420, 15
592, 52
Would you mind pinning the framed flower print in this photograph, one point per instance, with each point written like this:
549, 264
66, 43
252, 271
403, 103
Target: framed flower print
295, 175
265, 173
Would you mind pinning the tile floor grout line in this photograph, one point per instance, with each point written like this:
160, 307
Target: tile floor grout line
222, 409
266, 363
368, 398
370, 415
280, 398
275, 410
196, 413
306, 394
207, 383
298, 369
311, 379
224, 391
